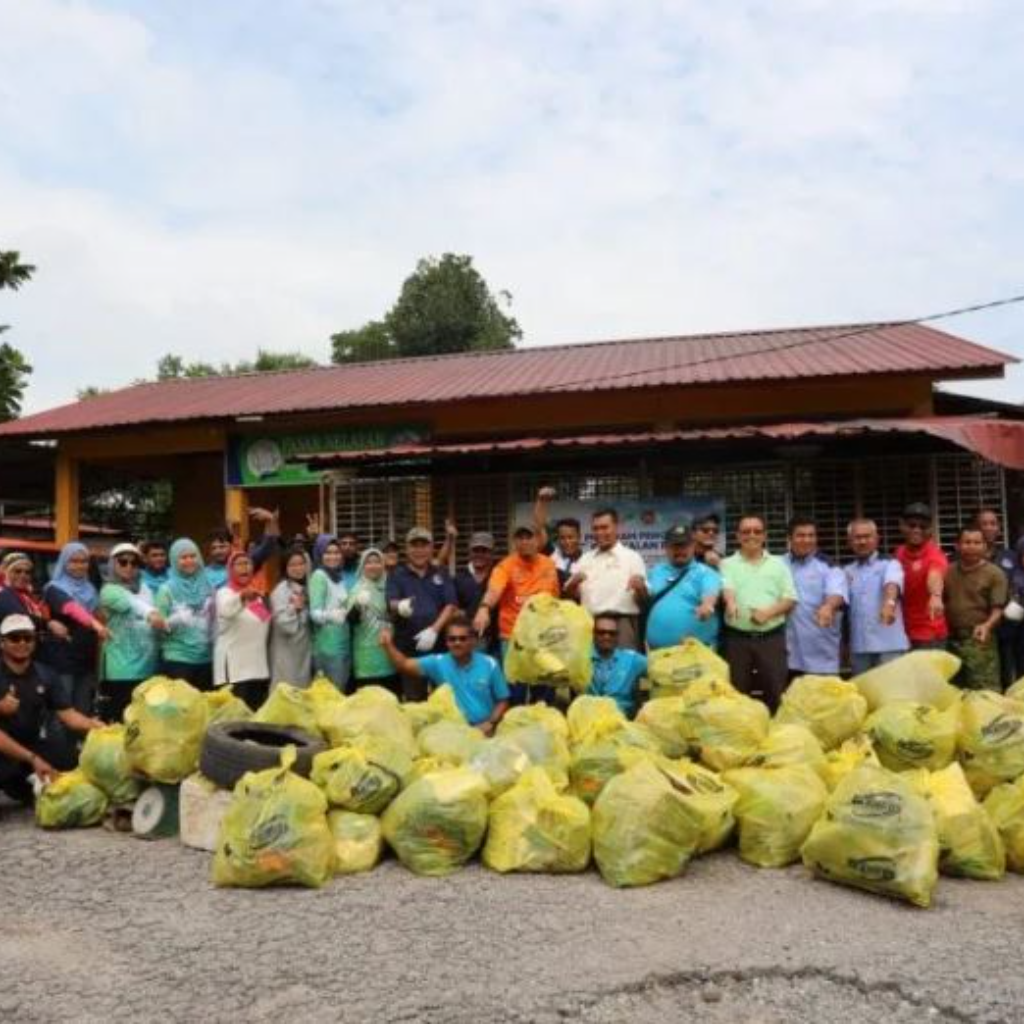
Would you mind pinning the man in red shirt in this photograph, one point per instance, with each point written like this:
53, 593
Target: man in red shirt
924, 573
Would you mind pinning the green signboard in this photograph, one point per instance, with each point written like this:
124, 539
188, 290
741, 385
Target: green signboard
267, 460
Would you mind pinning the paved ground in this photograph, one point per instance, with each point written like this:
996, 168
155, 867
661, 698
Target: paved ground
102, 927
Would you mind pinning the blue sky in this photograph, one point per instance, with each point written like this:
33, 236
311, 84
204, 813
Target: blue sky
209, 178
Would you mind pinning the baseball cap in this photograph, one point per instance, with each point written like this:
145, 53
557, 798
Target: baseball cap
125, 548
481, 540
419, 533
917, 510
524, 527
678, 534
17, 624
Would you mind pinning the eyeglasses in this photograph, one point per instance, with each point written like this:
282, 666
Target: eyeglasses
20, 638
751, 533
463, 639
126, 560
606, 632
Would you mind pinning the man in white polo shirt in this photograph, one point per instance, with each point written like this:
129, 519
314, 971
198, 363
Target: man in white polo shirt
611, 578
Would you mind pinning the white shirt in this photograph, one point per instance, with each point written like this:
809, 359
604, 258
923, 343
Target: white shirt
606, 586
240, 647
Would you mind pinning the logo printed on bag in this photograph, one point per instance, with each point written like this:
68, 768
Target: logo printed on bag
686, 673
874, 869
915, 750
269, 833
883, 804
1001, 728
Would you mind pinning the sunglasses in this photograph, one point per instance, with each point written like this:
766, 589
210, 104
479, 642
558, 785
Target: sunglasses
463, 639
20, 638
126, 560
606, 632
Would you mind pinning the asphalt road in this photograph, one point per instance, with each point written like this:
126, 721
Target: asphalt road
103, 927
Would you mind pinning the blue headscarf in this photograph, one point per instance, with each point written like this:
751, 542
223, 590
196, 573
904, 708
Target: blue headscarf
322, 543
195, 590
80, 591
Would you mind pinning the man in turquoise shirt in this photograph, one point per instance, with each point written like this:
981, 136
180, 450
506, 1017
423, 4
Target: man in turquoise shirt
617, 671
683, 593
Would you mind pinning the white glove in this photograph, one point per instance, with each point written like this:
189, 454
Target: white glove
181, 616
426, 639
404, 608
337, 616
363, 599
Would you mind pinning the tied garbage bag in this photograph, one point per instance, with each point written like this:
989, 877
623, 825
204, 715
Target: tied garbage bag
358, 842
908, 735
373, 711
851, 754
454, 743
725, 731
274, 831
673, 670
969, 842
834, 710
787, 745
605, 756
1005, 807
643, 829
527, 715
289, 706
105, 764
501, 763
551, 644
363, 776
588, 716
437, 823
877, 833
544, 748
223, 706
164, 729
533, 827
663, 717
919, 676
440, 706
70, 801
776, 809
991, 739
707, 796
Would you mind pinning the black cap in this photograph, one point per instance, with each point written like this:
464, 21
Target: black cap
917, 510
678, 534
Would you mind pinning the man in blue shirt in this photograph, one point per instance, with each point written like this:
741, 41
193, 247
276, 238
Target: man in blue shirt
814, 628
617, 671
476, 679
683, 595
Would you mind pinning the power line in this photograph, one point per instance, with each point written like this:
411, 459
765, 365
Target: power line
802, 342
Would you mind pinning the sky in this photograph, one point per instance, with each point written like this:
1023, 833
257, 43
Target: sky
212, 178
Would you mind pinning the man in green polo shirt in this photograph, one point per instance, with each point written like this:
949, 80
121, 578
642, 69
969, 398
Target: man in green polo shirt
758, 592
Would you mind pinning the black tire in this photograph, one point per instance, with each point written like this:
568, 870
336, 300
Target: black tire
233, 748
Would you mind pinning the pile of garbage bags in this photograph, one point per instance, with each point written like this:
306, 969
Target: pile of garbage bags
882, 783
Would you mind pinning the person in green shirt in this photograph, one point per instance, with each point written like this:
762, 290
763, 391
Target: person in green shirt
131, 653
328, 608
758, 593
368, 615
186, 603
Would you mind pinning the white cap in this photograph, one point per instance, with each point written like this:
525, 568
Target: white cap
17, 624
124, 548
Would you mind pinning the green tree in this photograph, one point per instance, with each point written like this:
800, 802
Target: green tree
444, 306
14, 368
173, 367
14, 273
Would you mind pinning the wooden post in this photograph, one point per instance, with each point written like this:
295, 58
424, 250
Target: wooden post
66, 499
236, 513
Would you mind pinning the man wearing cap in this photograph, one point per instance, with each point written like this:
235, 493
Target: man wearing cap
924, 571
514, 580
706, 529
471, 583
683, 595
29, 696
814, 629
611, 577
421, 596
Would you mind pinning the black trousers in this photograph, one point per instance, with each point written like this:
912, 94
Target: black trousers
112, 698
199, 676
758, 664
253, 691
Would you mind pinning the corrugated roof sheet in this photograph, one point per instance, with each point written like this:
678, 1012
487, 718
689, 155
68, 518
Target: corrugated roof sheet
801, 353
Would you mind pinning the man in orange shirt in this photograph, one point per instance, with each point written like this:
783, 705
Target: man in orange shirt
514, 580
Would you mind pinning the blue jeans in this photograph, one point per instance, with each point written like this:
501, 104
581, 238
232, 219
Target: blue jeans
864, 662
337, 668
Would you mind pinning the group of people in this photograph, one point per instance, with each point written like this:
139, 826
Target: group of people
73, 652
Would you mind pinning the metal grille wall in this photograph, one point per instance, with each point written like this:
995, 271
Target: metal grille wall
477, 503
377, 510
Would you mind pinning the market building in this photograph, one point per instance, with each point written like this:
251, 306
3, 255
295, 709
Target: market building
828, 421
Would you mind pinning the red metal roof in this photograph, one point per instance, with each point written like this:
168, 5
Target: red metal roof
803, 353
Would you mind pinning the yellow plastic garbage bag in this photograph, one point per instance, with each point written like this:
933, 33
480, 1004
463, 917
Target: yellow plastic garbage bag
501, 763
877, 833
852, 753
788, 745
274, 831
588, 716
544, 748
1005, 807
104, 763
725, 731
453, 743
527, 715
833, 709
919, 676
908, 735
164, 729
551, 644
291, 706
776, 809
358, 843
371, 710
363, 776
673, 670
663, 717
223, 706
990, 741
642, 827
605, 756
969, 842
709, 798
533, 827
438, 822
440, 706
1016, 692
70, 801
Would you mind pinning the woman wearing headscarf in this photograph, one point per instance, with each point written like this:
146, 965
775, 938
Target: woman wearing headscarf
185, 602
368, 613
243, 628
328, 609
73, 602
291, 640
131, 653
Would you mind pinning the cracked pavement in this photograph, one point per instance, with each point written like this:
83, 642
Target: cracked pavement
98, 926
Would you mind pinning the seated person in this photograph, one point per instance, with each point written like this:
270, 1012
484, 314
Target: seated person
617, 670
